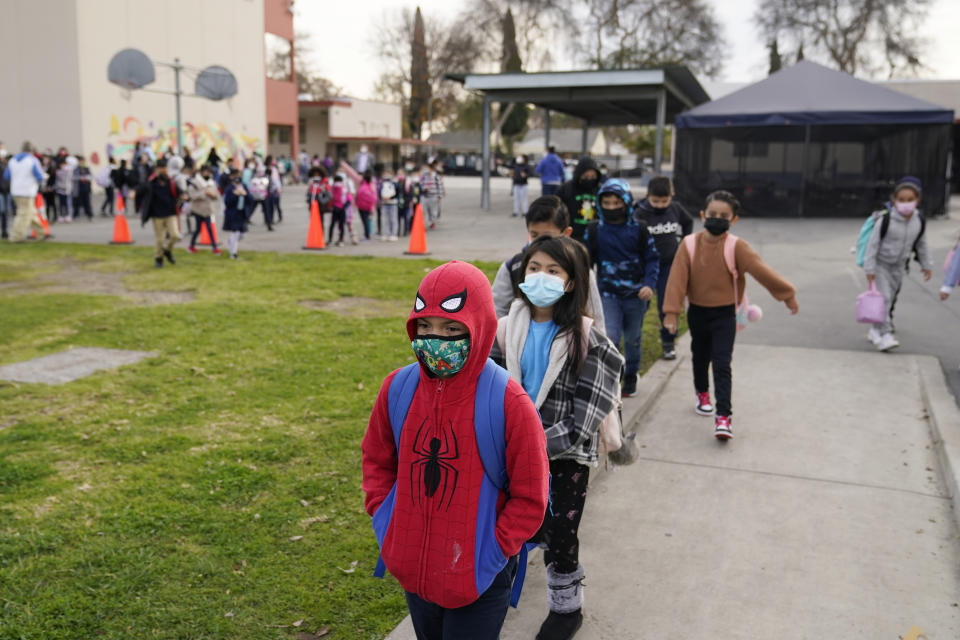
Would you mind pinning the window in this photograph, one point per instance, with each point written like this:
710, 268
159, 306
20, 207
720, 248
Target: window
278, 52
303, 131
280, 134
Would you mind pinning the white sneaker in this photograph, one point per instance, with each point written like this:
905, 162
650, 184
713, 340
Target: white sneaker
873, 335
887, 342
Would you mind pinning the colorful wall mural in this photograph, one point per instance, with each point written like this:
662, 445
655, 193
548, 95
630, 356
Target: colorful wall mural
125, 134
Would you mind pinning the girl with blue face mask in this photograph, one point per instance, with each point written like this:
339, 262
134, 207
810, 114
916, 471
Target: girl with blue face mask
572, 372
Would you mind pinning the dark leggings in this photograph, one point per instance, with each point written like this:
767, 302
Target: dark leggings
196, 230
365, 218
338, 218
559, 531
712, 332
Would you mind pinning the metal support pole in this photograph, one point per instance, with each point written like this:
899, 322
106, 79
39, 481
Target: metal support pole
177, 93
583, 137
546, 128
806, 168
485, 154
661, 123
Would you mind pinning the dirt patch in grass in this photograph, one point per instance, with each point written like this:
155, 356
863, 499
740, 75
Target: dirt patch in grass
73, 277
360, 307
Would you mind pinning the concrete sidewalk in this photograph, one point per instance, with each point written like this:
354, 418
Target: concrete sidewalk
825, 516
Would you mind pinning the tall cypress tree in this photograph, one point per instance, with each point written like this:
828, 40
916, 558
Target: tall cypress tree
419, 78
516, 122
776, 63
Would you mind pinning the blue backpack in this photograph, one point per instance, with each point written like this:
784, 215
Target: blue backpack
490, 428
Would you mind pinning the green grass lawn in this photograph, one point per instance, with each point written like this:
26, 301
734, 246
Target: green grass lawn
212, 491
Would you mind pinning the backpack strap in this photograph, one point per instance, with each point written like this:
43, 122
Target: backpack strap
884, 223
690, 242
730, 257
489, 423
399, 397
490, 427
916, 242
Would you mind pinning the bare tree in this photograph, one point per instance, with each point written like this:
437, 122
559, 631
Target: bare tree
541, 27
309, 81
621, 34
857, 36
449, 47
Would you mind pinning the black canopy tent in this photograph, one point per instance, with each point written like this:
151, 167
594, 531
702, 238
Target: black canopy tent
606, 97
811, 141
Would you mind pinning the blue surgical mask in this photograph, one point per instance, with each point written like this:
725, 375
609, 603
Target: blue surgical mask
542, 289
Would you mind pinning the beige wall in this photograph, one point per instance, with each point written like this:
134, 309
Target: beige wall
318, 127
364, 118
39, 85
223, 32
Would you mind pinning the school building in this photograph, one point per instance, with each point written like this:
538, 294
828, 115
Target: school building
56, 93
339, 127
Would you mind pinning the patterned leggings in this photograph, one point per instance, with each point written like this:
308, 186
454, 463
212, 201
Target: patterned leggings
568, 492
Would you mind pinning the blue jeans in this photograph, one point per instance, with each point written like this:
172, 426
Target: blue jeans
548, 189
666, 338
479, 620
624, 316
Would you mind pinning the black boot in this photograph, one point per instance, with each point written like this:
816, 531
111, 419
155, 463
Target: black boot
169, 256
158, 262
560, 626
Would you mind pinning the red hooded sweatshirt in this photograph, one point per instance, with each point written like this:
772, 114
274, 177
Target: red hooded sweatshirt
429, 545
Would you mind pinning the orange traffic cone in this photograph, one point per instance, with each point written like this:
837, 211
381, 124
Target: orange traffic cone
121, 232
205, 235
120, 205
315, 230
418, 235
43, 222
39, 203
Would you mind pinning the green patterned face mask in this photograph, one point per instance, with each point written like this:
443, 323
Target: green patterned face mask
442, 355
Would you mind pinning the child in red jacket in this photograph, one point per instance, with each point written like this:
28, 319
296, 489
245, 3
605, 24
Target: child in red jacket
426, 496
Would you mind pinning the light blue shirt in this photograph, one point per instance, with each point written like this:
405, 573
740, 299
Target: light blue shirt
536, 355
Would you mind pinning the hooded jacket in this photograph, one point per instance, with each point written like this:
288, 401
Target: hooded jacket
430, 543
581, 202
666, 226
896, 247
625, 253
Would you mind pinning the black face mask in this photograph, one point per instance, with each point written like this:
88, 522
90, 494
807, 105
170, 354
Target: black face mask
615, 216
588, 185
716, 226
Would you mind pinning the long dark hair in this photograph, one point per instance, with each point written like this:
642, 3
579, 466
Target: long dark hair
570, 309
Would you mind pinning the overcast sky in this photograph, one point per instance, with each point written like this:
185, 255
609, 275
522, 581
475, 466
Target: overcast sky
341, 34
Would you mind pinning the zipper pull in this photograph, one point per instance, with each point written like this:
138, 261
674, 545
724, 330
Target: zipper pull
440, 385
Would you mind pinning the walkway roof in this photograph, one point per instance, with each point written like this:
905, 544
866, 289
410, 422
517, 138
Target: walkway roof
605, 97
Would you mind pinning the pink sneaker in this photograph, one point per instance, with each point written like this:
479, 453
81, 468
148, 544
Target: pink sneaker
704, 407
722, 429
192, 250
217, 252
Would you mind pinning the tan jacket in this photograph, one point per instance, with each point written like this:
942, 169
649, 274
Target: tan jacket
708, 283
203, 196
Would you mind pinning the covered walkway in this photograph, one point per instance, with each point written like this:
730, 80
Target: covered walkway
599, 98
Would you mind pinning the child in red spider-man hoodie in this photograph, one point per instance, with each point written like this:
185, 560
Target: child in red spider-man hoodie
427, 496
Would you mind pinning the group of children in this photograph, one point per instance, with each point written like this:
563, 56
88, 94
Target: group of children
388, 200
449, 433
